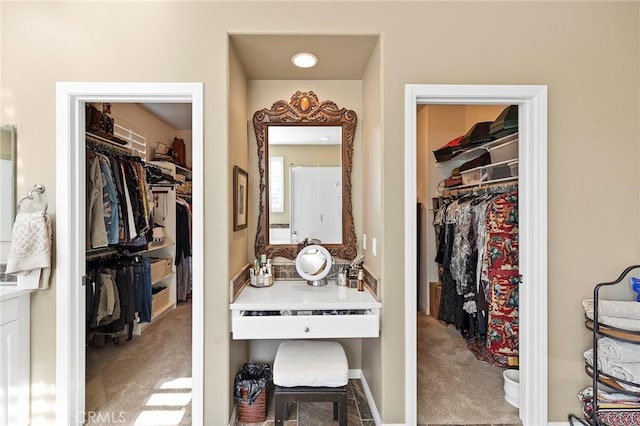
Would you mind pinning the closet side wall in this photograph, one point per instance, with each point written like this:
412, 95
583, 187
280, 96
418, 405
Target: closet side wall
135, 117
238, 155
446, 122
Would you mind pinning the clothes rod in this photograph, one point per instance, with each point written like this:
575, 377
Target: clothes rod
101, 142
507, 184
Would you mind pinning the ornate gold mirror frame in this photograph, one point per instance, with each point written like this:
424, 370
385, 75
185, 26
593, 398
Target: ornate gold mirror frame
305, 109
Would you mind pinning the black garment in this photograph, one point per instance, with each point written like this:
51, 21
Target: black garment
450, 309
123, 210
183, 236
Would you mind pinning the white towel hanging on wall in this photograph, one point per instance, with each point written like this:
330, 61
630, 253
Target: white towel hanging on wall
31, 239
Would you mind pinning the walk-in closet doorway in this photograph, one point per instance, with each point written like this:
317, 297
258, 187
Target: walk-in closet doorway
532, 102
70, 232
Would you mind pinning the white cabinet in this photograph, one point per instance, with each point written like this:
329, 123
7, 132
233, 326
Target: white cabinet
295, 310
14, 356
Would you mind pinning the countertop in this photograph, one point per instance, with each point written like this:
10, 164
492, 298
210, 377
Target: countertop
10, 291
300, 295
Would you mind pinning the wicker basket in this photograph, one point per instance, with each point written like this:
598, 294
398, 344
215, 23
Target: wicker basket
254, 413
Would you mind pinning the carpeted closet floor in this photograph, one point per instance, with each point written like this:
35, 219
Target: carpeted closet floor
145, 381
454, 387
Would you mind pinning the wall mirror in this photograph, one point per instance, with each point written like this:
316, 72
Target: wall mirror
7, 188
305, 150
7, 177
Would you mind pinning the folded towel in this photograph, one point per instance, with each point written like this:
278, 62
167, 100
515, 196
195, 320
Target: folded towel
30, 252
614, 308
629, 371
617, 351
623, 323
604, 364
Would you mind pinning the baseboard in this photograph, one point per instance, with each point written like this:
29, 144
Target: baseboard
355, 374
232, 421
372, 403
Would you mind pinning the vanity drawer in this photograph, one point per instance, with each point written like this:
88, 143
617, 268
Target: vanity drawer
305, 326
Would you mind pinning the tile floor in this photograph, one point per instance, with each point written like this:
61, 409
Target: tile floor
321, 414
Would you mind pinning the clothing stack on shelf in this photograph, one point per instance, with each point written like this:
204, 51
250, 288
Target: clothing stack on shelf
477, 238
488, 152
183, 249
118, 290
119, 202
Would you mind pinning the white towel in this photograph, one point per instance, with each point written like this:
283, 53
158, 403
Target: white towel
617, 351
623, 323
629, 371
614, 308
30, 251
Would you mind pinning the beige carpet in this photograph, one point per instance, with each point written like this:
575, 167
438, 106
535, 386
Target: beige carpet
145, 381
455, 388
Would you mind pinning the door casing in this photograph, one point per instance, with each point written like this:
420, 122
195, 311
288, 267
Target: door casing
70, 232
532, 146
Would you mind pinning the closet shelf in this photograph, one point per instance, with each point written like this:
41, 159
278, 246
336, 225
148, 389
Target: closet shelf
159, 280
167, 243
472, 153
183, 169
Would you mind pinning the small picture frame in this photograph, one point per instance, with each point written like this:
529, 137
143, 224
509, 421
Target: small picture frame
240, 198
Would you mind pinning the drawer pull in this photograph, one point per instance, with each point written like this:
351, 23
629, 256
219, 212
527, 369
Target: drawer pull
306, 329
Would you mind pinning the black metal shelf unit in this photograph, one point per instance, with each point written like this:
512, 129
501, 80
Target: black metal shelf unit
598, 377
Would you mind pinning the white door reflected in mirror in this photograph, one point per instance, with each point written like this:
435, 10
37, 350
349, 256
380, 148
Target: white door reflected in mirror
305, 184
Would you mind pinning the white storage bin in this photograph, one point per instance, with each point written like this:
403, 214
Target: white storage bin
512, 387
514, 168
473, 176
499, 171
504, 152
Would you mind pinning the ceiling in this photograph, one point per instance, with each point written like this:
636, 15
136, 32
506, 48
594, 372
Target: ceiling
268, 57
177, 116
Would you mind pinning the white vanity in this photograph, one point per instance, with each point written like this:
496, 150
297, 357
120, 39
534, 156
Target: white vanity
295, 310
14, 356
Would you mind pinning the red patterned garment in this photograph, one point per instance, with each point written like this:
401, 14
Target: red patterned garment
500, 267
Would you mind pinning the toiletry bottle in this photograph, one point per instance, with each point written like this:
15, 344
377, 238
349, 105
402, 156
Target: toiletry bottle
360, 280
270, 272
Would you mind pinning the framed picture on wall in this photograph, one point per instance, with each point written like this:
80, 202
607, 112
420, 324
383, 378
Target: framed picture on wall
240, 198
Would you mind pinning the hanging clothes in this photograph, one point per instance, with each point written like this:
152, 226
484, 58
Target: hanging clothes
501, 285
118, 290
119, 204
477, 239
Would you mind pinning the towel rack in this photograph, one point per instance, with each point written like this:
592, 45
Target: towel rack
37, 189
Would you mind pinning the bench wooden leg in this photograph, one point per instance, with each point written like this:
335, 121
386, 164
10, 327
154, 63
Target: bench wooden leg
285, 396
342, 410
280, 406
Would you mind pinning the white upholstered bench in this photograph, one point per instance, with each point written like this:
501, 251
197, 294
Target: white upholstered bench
310, 371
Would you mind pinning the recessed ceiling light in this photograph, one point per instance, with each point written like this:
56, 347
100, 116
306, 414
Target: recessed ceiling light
304, 60
325, 138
